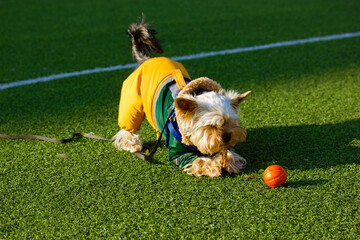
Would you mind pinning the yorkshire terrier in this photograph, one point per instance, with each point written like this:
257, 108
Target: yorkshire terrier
204, 125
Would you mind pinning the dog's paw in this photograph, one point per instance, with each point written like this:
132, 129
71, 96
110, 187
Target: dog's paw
127, 141
234, 162
204, 166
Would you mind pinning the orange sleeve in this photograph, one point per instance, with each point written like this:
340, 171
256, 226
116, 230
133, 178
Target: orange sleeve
131, 113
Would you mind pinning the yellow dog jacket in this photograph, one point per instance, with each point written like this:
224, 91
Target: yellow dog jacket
139, 91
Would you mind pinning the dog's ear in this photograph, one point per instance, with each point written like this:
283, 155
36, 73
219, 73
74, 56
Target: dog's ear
185, 104
236, 100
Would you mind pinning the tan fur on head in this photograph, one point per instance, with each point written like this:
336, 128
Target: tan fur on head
185, 105
236, 98
203, 83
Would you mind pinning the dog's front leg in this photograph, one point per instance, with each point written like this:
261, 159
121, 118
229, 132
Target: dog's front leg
204, 166
213, 166
127, 141
234, 162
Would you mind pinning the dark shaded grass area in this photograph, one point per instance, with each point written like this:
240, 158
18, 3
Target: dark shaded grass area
39, 39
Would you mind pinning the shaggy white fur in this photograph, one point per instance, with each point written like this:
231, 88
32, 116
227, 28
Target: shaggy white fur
127, 141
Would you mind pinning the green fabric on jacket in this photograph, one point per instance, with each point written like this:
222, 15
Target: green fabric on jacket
178, 153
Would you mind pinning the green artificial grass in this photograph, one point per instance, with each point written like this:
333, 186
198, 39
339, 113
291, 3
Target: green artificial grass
303, 114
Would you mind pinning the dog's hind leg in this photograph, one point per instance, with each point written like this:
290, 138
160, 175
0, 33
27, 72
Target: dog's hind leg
127, 141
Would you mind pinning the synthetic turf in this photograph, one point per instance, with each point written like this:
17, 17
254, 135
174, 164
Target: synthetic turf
302, 114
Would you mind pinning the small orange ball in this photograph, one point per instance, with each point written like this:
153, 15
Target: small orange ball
274, 176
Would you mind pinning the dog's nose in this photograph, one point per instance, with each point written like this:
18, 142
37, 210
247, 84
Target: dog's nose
226, 137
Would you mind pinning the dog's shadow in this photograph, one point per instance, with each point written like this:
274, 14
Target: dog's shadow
295, 147
302, 147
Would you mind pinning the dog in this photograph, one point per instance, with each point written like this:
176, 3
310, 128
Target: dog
203, 126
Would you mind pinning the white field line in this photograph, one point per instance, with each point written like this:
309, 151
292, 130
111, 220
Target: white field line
181, 58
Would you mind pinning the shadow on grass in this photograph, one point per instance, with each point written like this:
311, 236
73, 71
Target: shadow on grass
302, 183
148, 146
297, 147
302, 147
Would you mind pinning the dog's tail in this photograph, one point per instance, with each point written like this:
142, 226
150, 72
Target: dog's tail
143, 40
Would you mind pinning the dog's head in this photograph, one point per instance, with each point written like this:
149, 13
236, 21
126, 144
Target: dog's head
208, 116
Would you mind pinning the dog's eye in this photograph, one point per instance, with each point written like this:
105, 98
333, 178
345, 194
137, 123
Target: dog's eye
226, 137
